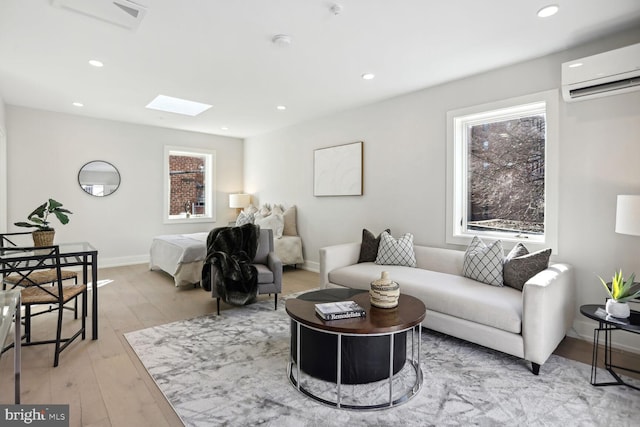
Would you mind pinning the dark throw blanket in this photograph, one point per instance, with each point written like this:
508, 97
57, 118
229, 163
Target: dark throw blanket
231, 250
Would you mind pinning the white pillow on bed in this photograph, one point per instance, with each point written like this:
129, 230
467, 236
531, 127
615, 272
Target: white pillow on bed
274, 221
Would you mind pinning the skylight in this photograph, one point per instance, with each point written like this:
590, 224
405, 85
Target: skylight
177, 105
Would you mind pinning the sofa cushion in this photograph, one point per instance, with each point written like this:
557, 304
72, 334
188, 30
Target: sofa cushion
520, 265
396, 252
484, 263
498, 307
369, 246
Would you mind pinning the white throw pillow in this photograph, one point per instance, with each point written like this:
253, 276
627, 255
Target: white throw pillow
484, 263
274, 221
396, 252
245, 218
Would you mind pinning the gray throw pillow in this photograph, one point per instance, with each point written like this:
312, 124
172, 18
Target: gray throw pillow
369, 246
396, 252
484, 263
520, 265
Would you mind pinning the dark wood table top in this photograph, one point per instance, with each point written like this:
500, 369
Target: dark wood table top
631, 323
409, 312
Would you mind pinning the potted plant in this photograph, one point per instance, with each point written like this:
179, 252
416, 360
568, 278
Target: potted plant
39, 219
620, 292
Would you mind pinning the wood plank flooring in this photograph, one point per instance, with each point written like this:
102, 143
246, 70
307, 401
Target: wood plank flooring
104, 382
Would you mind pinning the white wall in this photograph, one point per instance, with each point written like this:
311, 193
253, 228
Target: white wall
48, 149
3, 169
405, 160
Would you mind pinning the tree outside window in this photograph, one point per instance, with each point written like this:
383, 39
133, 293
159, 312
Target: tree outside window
502, 171
506, 175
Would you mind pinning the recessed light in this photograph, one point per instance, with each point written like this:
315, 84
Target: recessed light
575, 65
78, 104
368, 76
281, 107
177, 105
96, 63
548, 11
224, 128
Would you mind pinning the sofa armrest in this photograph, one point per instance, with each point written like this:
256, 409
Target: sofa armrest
332, 257
548, 306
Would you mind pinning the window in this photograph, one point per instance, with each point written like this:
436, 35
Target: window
502, 171
189, 185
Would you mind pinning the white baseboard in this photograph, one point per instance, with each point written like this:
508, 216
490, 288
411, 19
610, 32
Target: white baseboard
311, 266
583, 329
122, 261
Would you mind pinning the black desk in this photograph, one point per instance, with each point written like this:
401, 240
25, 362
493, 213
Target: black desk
71, 255
608, 325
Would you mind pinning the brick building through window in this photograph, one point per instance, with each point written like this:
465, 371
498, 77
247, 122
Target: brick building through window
187, 185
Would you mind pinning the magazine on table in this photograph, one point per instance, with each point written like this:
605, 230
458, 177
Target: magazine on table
339, 310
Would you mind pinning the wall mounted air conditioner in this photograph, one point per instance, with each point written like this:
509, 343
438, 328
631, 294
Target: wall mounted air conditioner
608, 73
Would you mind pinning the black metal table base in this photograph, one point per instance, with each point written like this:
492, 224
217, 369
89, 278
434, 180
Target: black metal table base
608, 361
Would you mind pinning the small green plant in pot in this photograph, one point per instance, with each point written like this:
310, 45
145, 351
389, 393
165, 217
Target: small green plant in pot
621, 292
39, 219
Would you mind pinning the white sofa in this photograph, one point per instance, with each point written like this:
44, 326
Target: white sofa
528, 324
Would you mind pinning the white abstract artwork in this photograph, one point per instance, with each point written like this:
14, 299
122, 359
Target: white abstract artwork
337, 171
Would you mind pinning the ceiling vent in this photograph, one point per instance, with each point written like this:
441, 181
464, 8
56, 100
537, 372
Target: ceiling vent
608, 73
123, 13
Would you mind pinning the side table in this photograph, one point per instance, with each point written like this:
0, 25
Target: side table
608, 324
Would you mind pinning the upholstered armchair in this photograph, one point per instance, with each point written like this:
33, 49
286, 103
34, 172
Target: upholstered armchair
268, 265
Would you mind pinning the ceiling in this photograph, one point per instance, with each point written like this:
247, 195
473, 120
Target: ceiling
220, 52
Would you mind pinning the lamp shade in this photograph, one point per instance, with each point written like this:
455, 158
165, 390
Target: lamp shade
628, 215
240, 200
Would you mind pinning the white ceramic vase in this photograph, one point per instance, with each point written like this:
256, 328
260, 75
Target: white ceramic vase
384, 292
618, 309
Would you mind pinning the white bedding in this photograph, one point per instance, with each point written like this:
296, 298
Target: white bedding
180, 255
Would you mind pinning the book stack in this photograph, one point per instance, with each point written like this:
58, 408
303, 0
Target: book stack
339, 310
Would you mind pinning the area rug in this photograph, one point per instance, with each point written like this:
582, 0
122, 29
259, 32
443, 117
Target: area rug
230, 370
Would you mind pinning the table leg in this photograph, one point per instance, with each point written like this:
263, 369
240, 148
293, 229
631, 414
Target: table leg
391, 369
298, 339
594, 356
16, 352
94, 288
339, 370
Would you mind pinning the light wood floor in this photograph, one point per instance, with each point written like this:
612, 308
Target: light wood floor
104, 382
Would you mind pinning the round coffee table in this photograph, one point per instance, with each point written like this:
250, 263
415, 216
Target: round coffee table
367, 349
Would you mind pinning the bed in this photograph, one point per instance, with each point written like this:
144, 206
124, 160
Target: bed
180, 255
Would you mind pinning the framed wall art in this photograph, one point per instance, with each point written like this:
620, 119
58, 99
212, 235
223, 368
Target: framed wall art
337, 170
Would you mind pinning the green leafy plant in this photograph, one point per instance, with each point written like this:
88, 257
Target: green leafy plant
621, 290
39, 217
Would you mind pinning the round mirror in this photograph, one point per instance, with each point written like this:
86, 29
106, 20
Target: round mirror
99, 178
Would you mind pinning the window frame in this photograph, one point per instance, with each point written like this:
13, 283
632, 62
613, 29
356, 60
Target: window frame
457, 168
209, 179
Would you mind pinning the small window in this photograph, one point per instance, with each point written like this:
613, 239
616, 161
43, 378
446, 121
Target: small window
189, 185
502, 178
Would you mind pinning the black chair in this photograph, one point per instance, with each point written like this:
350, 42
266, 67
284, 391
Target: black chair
41, 277
26, 266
